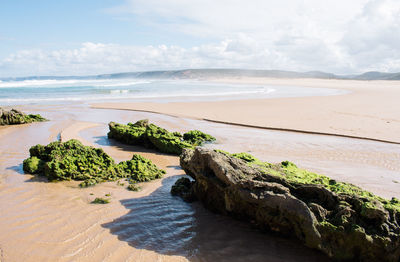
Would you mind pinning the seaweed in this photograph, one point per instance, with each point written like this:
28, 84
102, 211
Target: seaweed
134, 187
15, 117
197, 138
292, 174
72, 160
100, 200
151, 136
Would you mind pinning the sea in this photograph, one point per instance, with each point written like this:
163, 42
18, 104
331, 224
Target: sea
56, 91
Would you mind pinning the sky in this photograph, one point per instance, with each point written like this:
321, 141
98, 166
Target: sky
88, 37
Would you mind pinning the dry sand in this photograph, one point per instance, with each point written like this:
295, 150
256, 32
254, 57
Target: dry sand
371, 109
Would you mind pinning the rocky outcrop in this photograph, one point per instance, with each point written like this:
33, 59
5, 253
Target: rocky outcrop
143, 133
340, 219
15, 117
72, 160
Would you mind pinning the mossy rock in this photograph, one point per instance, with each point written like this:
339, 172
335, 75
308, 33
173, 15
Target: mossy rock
183, 188
72, 160
151, 136
33, 165
15, 117
340, 219
134, 187
196, 137
100, 200
140, 169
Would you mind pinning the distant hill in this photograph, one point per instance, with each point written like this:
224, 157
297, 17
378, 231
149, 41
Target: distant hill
215, 73
378, 76
221, 73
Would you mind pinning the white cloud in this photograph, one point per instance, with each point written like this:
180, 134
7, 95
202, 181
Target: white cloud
372, 39
93, 58
335, 36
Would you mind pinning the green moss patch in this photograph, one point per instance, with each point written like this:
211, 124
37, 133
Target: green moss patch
340, 219
149, 135
294, 175
72, 160
134, 187
15, 117
100, 200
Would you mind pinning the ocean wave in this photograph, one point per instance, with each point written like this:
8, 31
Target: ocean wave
117, 91
53, 83
122, 94
130, 83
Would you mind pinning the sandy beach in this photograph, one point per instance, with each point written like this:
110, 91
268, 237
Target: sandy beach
43, 221
370, 109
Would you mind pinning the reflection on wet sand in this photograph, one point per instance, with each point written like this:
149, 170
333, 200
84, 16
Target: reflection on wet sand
169, 226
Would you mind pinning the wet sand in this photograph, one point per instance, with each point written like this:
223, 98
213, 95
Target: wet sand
43, 221
370, 109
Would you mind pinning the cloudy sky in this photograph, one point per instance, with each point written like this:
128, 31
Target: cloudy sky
80, 37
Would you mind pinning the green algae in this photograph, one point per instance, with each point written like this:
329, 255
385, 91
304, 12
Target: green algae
197, 138
100, 200
165, 141
293, 174
353, 224
140, 169
149, 135
134, 187
72, 160
15, 117
33, 165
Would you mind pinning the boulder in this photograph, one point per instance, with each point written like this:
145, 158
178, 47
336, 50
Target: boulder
15, 117
142, 133
341, 220
72, 160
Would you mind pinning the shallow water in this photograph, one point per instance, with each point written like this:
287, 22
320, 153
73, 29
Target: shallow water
55, 222
167, 225
69, 90
372, 165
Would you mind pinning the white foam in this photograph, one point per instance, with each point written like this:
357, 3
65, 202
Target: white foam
130, 83
117, 91
121, 94
53, 83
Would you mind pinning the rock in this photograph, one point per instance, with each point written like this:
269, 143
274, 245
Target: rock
15, 117
183, 188
339, 219
319, 212
197, 138
149, 135
72, 160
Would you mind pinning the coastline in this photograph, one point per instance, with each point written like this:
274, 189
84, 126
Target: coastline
368, 110
55, 221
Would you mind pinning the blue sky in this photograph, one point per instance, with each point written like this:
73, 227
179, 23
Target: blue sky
73, 37
53, 24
